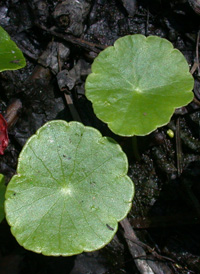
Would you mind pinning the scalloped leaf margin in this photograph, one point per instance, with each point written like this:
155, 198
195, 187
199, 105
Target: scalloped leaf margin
70, 191
136, 84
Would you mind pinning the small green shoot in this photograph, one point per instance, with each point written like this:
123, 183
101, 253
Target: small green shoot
136, 84
70, 191
170, 133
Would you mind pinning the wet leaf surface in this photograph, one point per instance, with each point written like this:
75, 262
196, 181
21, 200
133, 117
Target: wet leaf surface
11, 57
129, 91
59, 204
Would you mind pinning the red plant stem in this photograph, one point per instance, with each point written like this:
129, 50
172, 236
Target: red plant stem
3, 135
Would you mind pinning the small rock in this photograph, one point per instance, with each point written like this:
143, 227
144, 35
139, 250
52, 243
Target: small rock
130, 6
70, 15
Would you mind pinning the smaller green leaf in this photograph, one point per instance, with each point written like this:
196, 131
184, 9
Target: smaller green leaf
11, 57
70, 192
136, 84
2, 196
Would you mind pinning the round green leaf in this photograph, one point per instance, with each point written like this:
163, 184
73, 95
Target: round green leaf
70, 191
11, 57
136, 84
2, 196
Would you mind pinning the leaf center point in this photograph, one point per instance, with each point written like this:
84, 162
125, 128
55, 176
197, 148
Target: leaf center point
138, 90
66, 190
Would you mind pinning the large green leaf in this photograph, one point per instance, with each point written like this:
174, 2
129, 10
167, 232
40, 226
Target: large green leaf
136, 84
2, 196
70, 191
11, 57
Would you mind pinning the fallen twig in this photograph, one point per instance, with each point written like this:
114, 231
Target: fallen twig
74, 40
138, 253
67, 95
179, 157
12, 112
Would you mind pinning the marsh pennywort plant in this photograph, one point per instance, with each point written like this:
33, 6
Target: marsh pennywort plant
136, 84
11, 57
71, 187
70, 191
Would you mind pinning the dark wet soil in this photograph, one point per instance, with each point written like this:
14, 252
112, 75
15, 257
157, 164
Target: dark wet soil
60, 39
